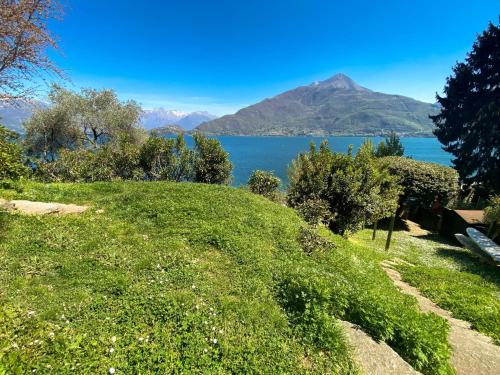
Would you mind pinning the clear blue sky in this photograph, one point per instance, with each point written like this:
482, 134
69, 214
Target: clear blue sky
220, 55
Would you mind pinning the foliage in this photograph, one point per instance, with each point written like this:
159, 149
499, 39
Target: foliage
211, 162
264, 183
106, 164
423, 181
24, 41
451, 276
391, 146
48, 131
469, 121
156, 159
11, 163
204, 293
89, 119
166, 159
310, 241
357, 189
492, 217
315, 211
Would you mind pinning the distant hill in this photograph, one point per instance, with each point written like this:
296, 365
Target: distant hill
154, 118
336, 106
14, 113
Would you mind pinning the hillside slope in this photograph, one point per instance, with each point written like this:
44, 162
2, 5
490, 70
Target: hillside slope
337, 106
183, 278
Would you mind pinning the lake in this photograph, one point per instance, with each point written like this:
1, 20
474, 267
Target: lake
276, 153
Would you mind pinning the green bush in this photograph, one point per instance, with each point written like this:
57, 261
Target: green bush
358, 189
211, 162
104, 164
423, 181
315, 211
264, 183
492, 217
11, 164
166, 159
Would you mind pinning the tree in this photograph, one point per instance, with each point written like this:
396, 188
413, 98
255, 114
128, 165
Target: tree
391, 146
88, 119
11, 165
48, 131
211, 162
24, 39
104, 118
468, 124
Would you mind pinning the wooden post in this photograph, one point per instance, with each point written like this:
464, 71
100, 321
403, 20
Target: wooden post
389, 234
374, 234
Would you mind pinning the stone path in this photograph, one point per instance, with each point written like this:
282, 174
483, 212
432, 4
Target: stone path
375, 358
473, 352
41, 208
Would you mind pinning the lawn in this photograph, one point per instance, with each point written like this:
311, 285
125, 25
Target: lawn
449, 275
181, 277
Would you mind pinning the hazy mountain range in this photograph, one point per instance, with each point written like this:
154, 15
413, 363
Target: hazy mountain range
154, 118
13, 114
336, 106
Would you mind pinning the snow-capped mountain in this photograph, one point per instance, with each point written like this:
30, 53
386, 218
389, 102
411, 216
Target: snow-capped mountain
154, 118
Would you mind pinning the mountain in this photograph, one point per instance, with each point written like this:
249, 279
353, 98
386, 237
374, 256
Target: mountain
14, 113
192, 120
336, 106
154, 118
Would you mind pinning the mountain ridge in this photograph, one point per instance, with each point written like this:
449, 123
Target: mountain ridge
335, 106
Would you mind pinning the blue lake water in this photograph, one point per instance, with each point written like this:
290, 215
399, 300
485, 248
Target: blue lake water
276, 153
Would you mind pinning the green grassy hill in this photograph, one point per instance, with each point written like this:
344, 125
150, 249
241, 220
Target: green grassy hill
191, 278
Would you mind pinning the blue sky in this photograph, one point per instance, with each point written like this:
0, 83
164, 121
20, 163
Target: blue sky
221, 55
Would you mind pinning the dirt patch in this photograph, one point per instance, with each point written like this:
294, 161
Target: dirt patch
375, 358
473, 352
41, 208
414, 229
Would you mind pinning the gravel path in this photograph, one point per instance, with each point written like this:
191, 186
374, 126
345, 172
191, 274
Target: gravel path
473, 352
375, 358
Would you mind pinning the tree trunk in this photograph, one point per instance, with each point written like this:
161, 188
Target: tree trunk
374, 233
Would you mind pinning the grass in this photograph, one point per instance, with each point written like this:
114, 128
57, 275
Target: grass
191, 278
449, 275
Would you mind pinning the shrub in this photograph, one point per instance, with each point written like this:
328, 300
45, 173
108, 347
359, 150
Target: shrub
357, 189
104, 164
423, 181
314, 211
492, 217
166, 159
11, 165
310, 241
211, 162
264, 183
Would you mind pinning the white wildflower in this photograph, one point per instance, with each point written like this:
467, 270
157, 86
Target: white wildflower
214, 341
111, 350
111, 370
113, 339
